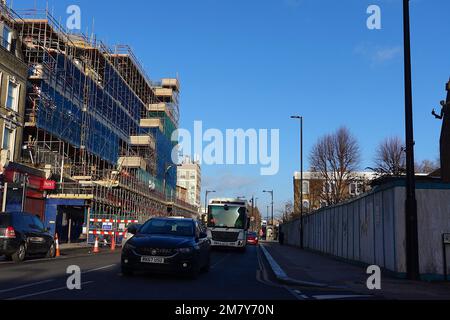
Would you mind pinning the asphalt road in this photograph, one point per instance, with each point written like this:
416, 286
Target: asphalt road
233, 275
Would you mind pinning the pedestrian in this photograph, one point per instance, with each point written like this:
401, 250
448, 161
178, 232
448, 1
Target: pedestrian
281, 237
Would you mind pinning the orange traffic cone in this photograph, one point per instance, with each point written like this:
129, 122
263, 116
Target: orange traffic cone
113, 243
96, 250
57, 253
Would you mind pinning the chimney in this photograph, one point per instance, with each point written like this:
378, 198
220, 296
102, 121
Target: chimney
445, 138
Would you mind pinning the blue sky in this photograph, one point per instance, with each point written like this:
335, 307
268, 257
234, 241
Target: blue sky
253, 63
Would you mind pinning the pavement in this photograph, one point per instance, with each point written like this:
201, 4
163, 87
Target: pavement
319, 276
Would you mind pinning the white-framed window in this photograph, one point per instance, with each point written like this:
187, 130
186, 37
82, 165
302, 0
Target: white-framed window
6, 37
328, 187
355, 188
306, 204
8, 140
12, 94
305, 188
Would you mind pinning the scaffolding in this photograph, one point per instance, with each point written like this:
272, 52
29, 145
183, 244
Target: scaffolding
86, 106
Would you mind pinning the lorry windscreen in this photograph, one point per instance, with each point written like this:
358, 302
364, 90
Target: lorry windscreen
227, 216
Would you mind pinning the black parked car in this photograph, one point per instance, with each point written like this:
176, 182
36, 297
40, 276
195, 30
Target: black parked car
22, 235
167, 245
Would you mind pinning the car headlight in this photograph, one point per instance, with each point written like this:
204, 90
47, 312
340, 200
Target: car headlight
185, 250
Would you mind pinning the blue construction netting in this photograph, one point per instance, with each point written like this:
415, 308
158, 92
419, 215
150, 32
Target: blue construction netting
164, 148
113, 110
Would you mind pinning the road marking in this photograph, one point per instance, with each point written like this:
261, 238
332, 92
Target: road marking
220, 260
339, 296
25, 286
44, 292
101, 268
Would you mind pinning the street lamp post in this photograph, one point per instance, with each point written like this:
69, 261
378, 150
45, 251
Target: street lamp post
271, 193
301, 178
412, 245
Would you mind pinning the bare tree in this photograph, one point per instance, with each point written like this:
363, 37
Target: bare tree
335, 158
287, 213
390, 158
427, 166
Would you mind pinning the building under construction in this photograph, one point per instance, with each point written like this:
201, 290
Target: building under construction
98, 126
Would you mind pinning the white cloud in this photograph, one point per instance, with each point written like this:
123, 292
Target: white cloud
231, 185
293, 3
377, 54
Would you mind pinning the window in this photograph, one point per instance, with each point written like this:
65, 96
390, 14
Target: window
38, 223
305, 188
305, 204
6, 38
8, 140
355, 188
328, 187
12, 97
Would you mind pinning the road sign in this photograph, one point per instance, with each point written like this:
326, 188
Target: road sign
107, 226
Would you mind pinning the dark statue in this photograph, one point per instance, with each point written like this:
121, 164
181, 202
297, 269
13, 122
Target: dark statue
444, 115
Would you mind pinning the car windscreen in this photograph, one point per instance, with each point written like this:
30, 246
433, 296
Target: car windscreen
226, 216
168, 227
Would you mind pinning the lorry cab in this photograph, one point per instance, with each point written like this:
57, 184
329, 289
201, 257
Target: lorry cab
227, 222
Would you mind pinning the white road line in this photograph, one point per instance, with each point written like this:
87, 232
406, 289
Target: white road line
26, 286
101, 268
339, 296
44, 292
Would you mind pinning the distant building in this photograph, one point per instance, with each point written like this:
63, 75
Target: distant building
315, 189
181, 193
189, 177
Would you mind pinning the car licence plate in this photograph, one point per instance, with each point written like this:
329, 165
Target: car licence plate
219, 243
147, 259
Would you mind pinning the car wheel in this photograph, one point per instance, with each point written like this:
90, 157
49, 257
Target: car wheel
20, 254
51, 253
127, 271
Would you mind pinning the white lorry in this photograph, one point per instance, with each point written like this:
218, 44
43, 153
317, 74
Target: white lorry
227, 222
